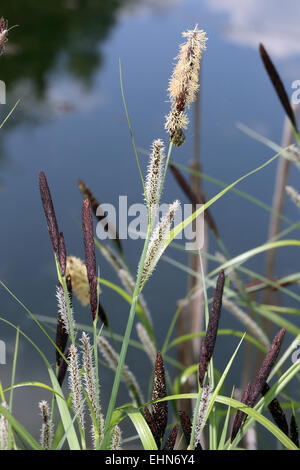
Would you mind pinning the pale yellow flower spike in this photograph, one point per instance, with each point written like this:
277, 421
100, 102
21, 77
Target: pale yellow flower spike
184, 83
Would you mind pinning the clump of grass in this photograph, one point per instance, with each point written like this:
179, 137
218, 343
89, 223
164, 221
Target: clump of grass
82, 418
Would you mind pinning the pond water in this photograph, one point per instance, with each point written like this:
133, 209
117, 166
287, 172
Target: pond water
62, 63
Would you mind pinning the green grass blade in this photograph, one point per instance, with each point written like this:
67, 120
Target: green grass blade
142, 428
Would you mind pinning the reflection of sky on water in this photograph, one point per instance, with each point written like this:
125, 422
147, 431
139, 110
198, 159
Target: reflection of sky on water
77, 129
272, 22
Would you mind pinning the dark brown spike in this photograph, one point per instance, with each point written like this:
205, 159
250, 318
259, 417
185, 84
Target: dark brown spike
186, 426
240, 415
194, 199
294, 434
208, 343
63, 366
62, 254
102, 315
278, 85
90, 257
159, 410
170, 443
100, 214
152, 426
276, 412
266, 367
49, 213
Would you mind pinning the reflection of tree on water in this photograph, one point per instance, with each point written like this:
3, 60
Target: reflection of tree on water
62, 34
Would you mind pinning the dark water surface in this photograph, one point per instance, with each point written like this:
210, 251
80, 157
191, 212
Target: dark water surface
62, 62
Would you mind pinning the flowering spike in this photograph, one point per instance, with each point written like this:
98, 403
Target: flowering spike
62, 254
278, 85
184, 83
80, 284
294, 434
63, 366
116, 439
75, 385
113, 358
266, 368
4, 29
201, 419
159, 410
154, 177
47, 426
186, 426
49, 213
61, 332
3, 429
63, 310
90, 385
90, 257
152, 425
208, 343
240, 415
276, 412
157, 244
170, 444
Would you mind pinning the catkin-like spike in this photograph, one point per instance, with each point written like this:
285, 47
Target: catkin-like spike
61, 333
202, 412
159, 410
3, 429
146, 342
154, 177
251, 325
266, 368
4, 29
113, 358
75, 385
194, 199
63, 366
90, 385
240, 415
62, 254
186, 426
116, 439
294, 434
152, 425
47, 426
49, 213
184, 83
278, 85
63, 310
294, 195
157, 244
208, 343
80, 284
277, 412
100, 214
90, 257
170, 444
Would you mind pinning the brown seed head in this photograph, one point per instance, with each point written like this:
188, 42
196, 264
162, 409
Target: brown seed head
49, 213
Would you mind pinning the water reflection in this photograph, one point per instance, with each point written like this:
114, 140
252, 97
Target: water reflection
57, 37
268, 21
